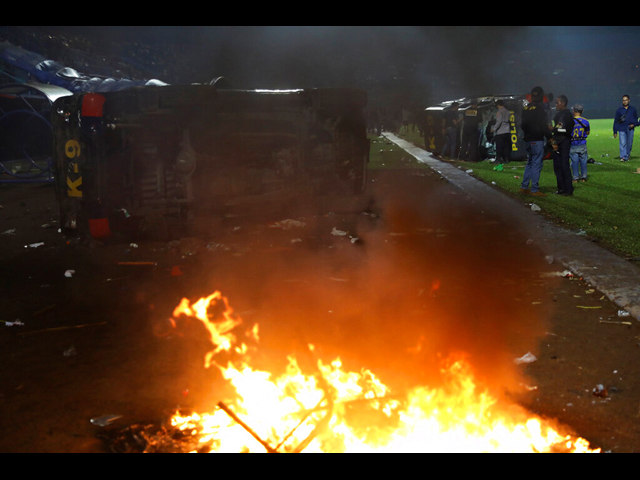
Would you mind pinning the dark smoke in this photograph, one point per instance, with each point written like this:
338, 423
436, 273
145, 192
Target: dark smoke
433, 276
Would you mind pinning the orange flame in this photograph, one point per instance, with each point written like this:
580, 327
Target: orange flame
334, 410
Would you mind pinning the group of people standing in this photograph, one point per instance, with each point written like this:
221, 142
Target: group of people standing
564, 137
568, 140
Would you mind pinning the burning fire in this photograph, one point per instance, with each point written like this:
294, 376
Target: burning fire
333, 410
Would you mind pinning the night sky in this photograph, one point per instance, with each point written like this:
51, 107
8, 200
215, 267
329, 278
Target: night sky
408, 64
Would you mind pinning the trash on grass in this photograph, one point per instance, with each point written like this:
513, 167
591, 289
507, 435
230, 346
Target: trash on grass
535, 207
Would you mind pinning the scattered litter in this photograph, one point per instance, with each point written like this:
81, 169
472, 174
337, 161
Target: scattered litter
69, 273
526, 358
287, 224
498, 168
565, 273
337, 232
11, 231
70, 352
615, 323
354, 239
535, 207
35, 245
105, 420
11, 324
600, 391
133, 245
591, 290
469, 171
623, 313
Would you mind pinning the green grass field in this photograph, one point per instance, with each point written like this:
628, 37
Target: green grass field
606, 207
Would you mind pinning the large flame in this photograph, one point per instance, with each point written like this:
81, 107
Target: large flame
332, 410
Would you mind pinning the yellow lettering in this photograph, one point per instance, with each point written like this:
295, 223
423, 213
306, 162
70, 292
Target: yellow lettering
72, 149
73, 187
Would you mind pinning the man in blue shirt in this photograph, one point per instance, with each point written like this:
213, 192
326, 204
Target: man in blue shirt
625, 120
578, 152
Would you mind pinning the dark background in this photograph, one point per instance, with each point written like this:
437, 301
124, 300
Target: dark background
399, 66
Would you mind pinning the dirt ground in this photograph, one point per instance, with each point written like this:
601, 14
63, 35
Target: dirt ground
422, 266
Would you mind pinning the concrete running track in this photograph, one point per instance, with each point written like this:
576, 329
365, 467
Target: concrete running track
615, 277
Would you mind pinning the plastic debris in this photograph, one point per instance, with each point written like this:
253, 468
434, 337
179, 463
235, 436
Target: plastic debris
35, 245
623, 313
337, 232
565, 274
69, 273
535, 207
287, 224
526, 358
105, 420
11, 231
11, 324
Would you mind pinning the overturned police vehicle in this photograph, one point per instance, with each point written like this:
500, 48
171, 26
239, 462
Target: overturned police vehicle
432, 127
150, 157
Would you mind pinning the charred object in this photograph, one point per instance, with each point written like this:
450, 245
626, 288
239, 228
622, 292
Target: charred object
147, 159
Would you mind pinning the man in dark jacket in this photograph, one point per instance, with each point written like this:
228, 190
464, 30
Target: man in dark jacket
626, 118
536, 131
561, 143
471, 133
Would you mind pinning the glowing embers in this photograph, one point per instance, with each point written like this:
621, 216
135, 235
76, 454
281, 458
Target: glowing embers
333, 410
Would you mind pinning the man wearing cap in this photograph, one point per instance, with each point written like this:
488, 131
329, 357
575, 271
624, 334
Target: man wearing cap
626, 118
535, 129
578, 152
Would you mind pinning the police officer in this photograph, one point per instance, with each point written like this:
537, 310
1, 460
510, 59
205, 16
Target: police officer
536, 133
471, 132
561, 142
